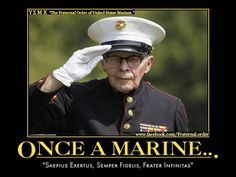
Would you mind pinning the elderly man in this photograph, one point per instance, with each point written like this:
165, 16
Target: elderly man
122, 103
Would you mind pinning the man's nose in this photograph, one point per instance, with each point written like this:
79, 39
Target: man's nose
124, 65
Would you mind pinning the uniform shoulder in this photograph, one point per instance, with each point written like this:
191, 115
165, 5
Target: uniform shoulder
88, 85
159, 92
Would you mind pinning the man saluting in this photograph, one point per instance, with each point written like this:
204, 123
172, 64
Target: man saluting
122, 103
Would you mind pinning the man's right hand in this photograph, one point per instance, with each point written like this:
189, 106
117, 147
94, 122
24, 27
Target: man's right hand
80, 64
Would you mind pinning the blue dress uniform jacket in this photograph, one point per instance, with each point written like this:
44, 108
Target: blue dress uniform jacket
94, 108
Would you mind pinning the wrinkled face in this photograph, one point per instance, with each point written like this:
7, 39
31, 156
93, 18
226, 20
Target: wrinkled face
125, 70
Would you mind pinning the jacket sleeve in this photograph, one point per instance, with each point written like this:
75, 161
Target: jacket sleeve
47, 111
181, 119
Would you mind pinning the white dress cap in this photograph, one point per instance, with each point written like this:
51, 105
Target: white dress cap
126, 28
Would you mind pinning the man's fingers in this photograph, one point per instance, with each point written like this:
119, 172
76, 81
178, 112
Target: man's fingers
94, 61
96, 50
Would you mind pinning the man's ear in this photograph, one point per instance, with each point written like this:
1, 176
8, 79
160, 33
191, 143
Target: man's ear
150, 61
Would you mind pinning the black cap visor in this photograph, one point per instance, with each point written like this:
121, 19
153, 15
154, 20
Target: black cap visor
129, 46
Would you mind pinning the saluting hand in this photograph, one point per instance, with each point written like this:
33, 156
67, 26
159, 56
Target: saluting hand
80, 64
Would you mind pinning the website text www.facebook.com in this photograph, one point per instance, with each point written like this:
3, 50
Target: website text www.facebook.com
173, 134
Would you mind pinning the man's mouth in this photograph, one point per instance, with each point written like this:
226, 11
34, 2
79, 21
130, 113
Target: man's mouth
124, 78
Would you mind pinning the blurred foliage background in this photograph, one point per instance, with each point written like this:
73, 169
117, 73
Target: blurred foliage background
181, 59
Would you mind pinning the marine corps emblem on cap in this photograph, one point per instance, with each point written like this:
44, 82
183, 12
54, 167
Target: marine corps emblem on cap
127, 33
120, 24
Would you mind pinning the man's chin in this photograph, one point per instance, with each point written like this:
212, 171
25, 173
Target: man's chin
125, 88
123, 85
